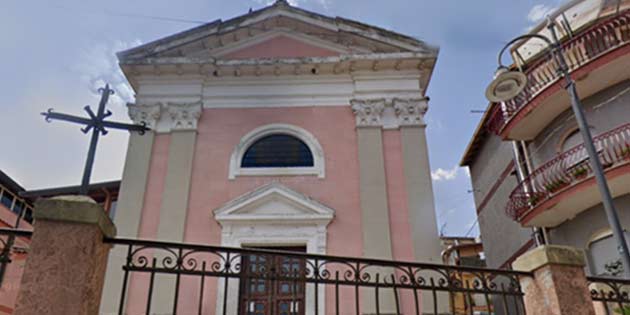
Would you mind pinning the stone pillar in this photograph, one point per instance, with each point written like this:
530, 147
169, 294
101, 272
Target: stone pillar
424, 234
559, 285
174, 206
131, 198
373, 195
65, 268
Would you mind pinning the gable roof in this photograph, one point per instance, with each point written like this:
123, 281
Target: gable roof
274, 202
279, 9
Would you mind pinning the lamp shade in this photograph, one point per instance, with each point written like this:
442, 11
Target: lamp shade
506, 85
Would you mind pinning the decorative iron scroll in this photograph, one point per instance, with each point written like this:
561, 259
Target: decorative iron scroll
379, 275
613, 293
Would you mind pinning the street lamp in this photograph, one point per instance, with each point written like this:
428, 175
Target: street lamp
507, 84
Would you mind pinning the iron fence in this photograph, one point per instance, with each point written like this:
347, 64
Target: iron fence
221, 280
611, 295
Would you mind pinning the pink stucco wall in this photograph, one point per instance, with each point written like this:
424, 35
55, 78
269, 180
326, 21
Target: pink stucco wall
280, 47
219, 131
13, 275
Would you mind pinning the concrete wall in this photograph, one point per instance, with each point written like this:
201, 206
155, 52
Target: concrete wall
605, 110
493, 181
578, 231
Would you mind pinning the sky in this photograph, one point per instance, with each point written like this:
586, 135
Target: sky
57, 54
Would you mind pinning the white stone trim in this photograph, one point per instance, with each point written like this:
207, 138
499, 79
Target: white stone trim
184, 116
143, 113
318, 168
273, 215
390, 113
368, 112
410, 112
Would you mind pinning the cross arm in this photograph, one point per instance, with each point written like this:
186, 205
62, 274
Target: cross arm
122, 126
50, 115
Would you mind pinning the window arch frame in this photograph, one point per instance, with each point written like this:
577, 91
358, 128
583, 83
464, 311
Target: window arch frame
318, 168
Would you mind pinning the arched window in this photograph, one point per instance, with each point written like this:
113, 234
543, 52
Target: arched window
278, 150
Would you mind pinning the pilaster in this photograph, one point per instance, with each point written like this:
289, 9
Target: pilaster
174, 205
131, 198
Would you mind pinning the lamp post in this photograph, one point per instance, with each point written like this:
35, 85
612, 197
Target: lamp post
507, 84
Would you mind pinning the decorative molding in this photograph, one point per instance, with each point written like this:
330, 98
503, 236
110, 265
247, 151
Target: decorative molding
273, 215
147, 114
368, 112
318, 168
410, 112
184, 116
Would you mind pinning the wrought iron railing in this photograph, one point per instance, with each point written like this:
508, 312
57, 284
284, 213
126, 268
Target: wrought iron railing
251, 281
10, 246
611, 295
567, 169
601, 38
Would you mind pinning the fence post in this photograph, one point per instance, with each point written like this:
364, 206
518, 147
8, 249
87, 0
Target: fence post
559, 285
65, 268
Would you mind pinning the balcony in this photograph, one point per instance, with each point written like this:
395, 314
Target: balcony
598, 57
564, 186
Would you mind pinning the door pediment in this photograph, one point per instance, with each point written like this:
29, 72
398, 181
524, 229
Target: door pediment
276, 204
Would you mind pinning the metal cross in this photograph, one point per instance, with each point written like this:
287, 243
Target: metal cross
96, 123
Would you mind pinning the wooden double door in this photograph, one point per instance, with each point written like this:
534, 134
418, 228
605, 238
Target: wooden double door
265, 296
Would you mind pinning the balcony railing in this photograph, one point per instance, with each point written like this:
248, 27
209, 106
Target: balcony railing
596, 41
567, 169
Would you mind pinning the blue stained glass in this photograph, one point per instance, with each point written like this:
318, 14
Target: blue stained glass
278, 151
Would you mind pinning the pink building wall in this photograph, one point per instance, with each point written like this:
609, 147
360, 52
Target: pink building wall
219, 131
11, 283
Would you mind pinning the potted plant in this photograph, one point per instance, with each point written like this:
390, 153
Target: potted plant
625, 153
579, 173
556, 185
533, 200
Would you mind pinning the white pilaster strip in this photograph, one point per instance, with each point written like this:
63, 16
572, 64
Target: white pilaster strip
131, 199
174, 206
426, 243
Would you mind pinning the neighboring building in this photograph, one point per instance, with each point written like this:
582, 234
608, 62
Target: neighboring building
104, 193
528, 166
16, 202
279, 128
465, 252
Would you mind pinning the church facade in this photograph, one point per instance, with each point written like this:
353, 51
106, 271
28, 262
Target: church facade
281, 128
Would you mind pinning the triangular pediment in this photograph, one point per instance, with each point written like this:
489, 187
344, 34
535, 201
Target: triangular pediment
280, 43
274, 203
324, 35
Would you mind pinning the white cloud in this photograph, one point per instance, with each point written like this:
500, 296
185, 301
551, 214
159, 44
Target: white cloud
98, 66
539, 12
441, 174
